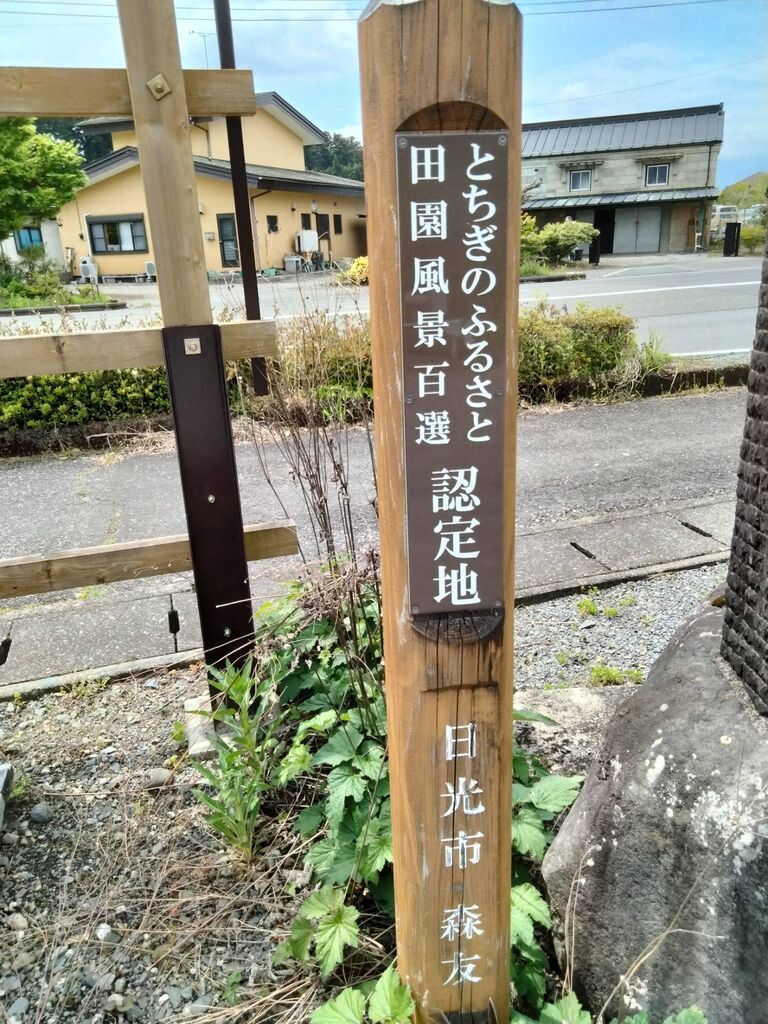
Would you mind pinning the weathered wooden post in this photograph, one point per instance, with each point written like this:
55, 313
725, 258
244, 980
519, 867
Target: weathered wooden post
441, 118
191, 341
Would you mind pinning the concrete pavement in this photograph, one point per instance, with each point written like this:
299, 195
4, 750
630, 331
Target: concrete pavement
604, 493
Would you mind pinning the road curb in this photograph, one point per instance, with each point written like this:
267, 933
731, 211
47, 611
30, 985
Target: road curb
32, 688
79, 307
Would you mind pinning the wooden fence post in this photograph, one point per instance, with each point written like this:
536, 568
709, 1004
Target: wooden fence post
441, 120
192, 343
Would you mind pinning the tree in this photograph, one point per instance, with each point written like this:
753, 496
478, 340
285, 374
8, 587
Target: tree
65, 129
745, 193
37, 175
341, 155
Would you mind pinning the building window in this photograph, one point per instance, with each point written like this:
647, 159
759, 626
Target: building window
113, 234
306, 222
581, 181
230, 256
28, 238
272, 227
657, 174
337, 223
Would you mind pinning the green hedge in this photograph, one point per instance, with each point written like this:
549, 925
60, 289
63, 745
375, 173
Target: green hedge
325, 370
66, 399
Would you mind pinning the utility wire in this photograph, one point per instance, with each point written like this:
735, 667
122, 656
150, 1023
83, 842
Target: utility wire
647, 85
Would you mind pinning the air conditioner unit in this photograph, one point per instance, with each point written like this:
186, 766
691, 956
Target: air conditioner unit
306, 241
150, 270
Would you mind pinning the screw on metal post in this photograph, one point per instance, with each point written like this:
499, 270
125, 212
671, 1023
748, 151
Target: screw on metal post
158, 86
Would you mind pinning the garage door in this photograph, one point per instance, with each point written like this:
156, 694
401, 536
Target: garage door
638, 229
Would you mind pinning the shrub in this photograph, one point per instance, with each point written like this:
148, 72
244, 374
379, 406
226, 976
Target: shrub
602, 339
558, 239
66, 399
557, 346
357, 273
530, 240
753, 237
545, 353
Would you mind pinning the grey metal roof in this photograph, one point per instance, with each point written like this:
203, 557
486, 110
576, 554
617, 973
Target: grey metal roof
621, 198
685, 127
281, 179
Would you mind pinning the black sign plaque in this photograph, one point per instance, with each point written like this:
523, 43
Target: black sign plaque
452, 208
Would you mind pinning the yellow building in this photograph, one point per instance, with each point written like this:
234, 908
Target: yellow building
107, 220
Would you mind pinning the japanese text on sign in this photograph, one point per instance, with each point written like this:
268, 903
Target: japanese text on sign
452, 204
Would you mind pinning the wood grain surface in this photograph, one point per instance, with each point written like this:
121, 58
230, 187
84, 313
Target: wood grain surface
441, 65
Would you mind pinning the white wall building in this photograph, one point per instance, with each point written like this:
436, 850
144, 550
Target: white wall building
646, 181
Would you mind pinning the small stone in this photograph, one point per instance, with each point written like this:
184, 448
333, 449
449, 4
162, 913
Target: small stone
10, 984
19, 1008
117, 1003
120, 985
6, 779
176, 997
16, 922
151, 684
5, 863
10, 838
106, 936
156, 778
22, 960
41, 813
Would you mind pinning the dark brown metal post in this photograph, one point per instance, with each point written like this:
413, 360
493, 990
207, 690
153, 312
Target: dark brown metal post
242, 199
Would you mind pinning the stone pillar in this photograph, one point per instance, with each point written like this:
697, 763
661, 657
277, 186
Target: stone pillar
745, 632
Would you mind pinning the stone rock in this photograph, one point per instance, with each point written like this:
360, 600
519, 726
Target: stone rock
19, 1007
156, 778
106, 936
669, 832
117, 1003
41, 813
16, 922
10, 838
581, 715
6, 779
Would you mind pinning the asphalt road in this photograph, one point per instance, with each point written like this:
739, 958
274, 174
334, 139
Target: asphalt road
699, 305
572, 462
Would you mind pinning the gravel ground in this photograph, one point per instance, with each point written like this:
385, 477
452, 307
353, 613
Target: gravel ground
118, 903
558, 645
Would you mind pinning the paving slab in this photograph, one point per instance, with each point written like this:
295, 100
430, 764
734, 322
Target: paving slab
715, 520
549, 558
642, 540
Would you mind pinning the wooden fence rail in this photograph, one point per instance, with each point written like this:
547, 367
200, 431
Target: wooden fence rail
40, 574
31, 355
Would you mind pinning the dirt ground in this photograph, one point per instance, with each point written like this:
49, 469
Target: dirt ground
118, 902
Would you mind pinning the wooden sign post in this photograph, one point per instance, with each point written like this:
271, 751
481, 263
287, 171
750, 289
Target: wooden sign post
441, 118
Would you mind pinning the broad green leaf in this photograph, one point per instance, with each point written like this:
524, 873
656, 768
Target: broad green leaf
300, 938
340, 747
309, 821
391, 1001
693, 1015
520, 794
555, 792
321, 722
334, 860
343, 781
532, 716
640, 1018
297, 760
375, 846
321, 903
567, 1010
528, 835
332, 934
528, 900
521, 768
530, 981
369, 763
519, 1018
347, 1008
520, 928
